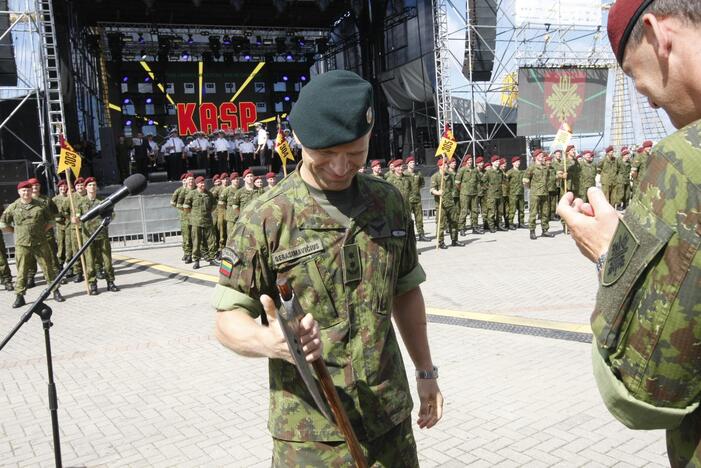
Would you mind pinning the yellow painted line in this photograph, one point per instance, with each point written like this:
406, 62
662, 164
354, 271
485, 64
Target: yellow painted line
478, 316
512, 320
248, 80
115, 107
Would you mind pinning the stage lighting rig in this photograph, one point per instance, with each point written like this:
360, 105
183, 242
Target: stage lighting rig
215, 46
226, 40
190, 40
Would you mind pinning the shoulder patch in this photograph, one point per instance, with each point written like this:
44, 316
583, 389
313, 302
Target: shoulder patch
301, 250
399, 233
623, 246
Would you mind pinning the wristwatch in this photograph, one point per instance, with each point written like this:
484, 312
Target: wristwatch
424, 374
600, 262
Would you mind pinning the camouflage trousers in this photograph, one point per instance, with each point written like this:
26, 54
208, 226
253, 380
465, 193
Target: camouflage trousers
516, 206
418, 211
468, 207
396, 448
449, 221
494, 211
552, 203
223, 227
204, 242
623, 194
27, 256
609, 192
5, 274
73, 249
62, 241
538, 207
32, 264
684, 442
229, 230
186, 232
100, 248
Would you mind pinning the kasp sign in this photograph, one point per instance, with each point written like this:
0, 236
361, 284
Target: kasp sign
226, 116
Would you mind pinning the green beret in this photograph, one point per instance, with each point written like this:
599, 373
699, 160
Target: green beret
333, 109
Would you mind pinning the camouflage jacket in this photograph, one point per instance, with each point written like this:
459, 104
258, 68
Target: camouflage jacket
180, 201
646, 320
241, 198
416, 183
587, 176
623, 175
608, 169
493, 179
201, 205
448, 188
537, 176
347, 278
29, 221
559, 172
515, 177
176, 202
469, 181
226, 201
552, 178
60, 202
403, 184
89, 227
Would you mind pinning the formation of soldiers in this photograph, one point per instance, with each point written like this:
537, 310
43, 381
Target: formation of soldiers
207, 216
47, 233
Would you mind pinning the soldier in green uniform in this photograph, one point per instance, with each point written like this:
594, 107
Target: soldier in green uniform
516, 194
221, 213
449, 215
558, 164
101, 245
47, 203
552, 185
244, 195
376, 166
199, 204
5, 274
608, 168
29, 220
536, 180
345, 243
215, 191
63, 224
222, 205
398, 180
185, 226
494, 186
587, 174
270, 180
623, 180
504, 193
645, 323
481, 193
468, 186
77, 196
416, 182
186, 243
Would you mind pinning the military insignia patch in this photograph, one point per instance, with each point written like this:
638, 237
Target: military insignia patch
229, 259
301, 250
351, 263
368, 115
623, 246
225, 267
399, 233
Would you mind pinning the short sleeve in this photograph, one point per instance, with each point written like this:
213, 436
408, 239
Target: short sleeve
411, 274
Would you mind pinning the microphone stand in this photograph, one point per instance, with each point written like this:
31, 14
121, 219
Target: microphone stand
42, 310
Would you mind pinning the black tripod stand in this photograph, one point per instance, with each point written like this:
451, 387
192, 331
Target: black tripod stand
42, 310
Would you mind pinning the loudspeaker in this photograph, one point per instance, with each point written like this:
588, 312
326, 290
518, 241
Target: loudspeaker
161, 176
259, 170
534, 144
13, 171
481, 39
106, 165
8, 66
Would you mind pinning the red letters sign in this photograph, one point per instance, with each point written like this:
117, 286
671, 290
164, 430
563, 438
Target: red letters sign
212, 118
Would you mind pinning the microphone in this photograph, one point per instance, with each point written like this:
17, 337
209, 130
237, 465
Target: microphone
133, 185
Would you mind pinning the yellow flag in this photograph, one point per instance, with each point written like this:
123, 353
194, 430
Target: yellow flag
69, 159
281, 146
447, 145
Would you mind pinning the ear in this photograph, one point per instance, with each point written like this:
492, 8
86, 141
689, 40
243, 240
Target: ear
658, 34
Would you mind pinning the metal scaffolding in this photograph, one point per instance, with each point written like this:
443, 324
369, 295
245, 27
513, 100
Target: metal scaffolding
443, 98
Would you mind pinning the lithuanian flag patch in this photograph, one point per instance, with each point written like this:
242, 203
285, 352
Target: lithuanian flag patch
225, 267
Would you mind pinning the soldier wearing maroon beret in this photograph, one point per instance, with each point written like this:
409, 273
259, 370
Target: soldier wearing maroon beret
645, 323
376, 166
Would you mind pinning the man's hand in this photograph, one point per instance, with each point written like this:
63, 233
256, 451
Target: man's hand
592, 224
431, 409
308, 333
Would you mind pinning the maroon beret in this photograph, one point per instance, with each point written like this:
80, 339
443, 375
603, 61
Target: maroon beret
270, 175
63, 183
640, 149
479, 160
647, 144
375, 162
537, 152
396, 162
625, 152
488, 165
569, 147
190, 174
79, 180
233, 175
89, 179
184, 176
246, 172
216, 177
409, 159
609, 148
199, 179
24, 184
622, 18
502, 160
515, 159
33, 181
224, 175
495, 158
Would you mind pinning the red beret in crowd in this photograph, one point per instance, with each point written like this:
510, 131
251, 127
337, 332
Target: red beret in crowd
199, 179
89, 179
410, 159
622, 17
24, 184
246, 172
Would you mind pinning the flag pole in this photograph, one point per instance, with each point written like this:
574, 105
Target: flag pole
77, 229
440, 202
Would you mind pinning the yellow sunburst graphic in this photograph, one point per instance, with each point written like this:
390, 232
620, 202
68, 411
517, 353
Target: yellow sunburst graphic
564, 99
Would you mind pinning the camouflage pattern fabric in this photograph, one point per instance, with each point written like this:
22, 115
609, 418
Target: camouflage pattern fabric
216, 192
504, 196
396, 448
347, 278
201, 205
587, 178
608, 168
623, 183
470, 183
29, 221
5, 274
552, 189
77, 266
51, 207
646, 320
403, 184
62, 223
515, 194
537, 177
185, 227
638, 169
449, 213
100, 247
416, 183
494, 209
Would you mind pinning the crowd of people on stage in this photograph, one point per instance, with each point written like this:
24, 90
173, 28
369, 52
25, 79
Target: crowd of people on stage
48, 232
220, 151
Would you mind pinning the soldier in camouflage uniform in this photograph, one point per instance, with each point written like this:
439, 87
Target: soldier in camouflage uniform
222, 204
199, 204
47, 203
186, 242
416, 182
645, 322
77, 196
587, 174
469, 182
397, 179
63, 224
493, 180
29, 220
504, 194
637, 169
623, 180
376, 166
215, 191
608, 168
5, 274
516, 195
449, 215
345, 243
552, 185
243, 196
101, 245
221, 213
558, 164
536, 180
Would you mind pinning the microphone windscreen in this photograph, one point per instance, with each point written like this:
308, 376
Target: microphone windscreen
135, 184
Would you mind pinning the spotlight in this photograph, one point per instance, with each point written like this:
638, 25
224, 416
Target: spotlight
284, 78
190, 40
128, 123
125, 79
259, 40
149, 100
143, 54
150, 122
185, 55
226, 40
126, 101
247, 58
302, 78
287, 98
147, 79
289, 57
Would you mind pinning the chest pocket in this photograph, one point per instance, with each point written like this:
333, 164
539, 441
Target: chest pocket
633, 248
382, 268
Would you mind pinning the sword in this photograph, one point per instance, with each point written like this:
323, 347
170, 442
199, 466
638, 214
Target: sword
289, 316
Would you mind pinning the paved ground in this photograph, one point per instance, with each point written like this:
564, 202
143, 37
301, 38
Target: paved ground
143, 382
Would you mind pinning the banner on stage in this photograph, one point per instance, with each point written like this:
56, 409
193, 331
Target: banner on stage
213, 117
69, 159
